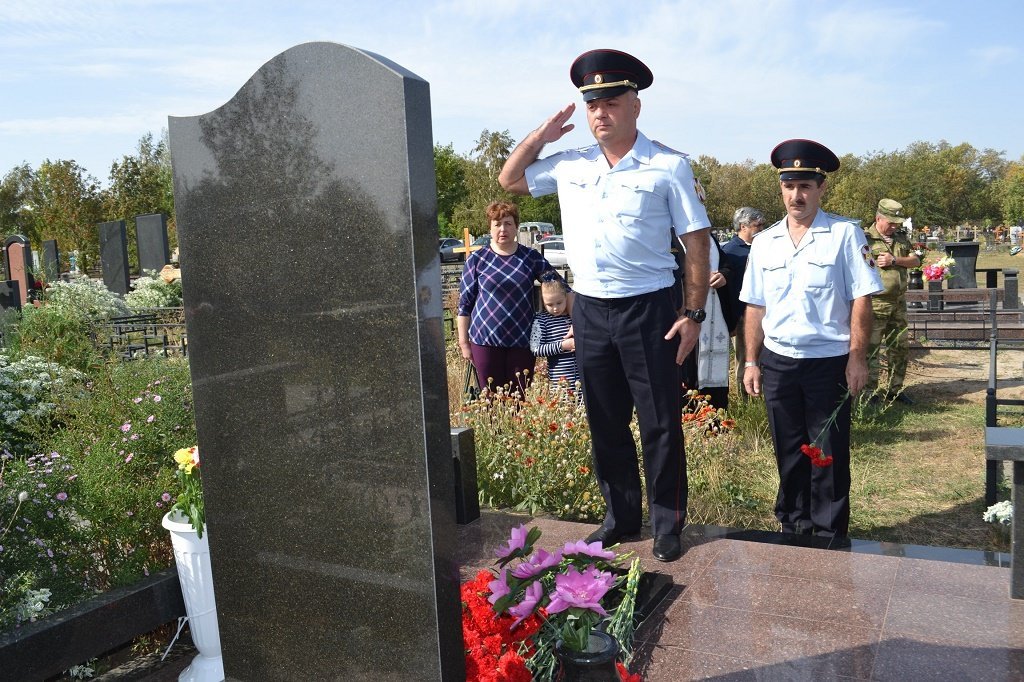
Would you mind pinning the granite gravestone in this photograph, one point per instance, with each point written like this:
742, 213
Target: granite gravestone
51, 260
18, 257
10, 295
114, 256
151, 239
965, 258
321, 407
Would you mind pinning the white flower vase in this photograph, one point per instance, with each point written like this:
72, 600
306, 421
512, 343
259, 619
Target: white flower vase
192, 555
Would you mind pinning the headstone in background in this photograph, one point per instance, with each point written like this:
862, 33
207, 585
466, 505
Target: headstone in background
1011, 292
114, 256
965, 255
321, 406
18, 256
151, 239
51, 260
10, 295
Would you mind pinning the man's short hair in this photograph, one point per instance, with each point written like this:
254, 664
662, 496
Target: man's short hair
746, 215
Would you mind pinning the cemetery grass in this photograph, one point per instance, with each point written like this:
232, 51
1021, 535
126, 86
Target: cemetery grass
918, 471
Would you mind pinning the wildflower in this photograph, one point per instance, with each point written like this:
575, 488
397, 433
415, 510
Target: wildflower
150, 418
22, 496
136, 400
130, 457
126, 427
166, 497
157, 399
62, 496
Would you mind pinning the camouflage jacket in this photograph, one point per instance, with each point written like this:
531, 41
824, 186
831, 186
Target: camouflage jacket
894, 277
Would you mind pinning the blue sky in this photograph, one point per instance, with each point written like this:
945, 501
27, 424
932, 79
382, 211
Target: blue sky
84, 80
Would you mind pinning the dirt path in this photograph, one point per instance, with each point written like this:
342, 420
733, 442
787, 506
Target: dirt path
962, 375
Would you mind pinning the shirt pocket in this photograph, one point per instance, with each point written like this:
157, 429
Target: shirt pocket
820, 274
776, 275
632, 197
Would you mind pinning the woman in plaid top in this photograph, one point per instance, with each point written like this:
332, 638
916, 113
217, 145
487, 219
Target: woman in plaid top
496, 305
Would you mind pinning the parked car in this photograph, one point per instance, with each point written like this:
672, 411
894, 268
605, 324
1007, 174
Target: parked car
447, 246
554, 250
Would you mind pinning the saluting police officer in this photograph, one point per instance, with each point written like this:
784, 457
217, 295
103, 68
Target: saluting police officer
808, 287
893, 254
622, 200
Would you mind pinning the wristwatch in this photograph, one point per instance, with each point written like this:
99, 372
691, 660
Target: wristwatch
696, 315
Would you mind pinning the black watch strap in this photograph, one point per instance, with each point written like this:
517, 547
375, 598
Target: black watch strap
697, 315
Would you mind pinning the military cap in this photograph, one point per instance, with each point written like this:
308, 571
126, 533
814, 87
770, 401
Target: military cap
608, 73
803, 159
891, 210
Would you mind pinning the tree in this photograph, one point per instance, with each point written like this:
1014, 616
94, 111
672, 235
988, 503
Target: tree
141, 183
66, 206
1012, 191
450, 171
490, 153
15, 204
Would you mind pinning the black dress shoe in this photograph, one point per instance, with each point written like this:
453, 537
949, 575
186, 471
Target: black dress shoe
904, 398
608, 536
667, 547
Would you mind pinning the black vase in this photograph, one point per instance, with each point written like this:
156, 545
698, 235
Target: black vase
916, 280
596, 664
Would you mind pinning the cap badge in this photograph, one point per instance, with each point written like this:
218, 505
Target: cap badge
796, 164
599, 78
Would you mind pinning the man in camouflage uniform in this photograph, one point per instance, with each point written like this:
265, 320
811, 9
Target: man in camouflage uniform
894, 255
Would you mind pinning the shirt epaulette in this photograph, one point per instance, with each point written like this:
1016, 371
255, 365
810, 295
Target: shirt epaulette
765, 230
666, 148
842, 219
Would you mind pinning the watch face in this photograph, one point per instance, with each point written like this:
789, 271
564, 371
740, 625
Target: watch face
697, 315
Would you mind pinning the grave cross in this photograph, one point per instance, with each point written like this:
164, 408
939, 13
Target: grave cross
467, 241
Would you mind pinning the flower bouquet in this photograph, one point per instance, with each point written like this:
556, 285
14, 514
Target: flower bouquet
189, 502
1000, 513
939, 270
514, 618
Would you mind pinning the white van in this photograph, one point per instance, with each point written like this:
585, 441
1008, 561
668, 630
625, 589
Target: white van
531, 232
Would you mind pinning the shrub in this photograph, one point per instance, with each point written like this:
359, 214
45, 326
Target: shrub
60, 329
152, 291
535, 455
28, 389
42, 558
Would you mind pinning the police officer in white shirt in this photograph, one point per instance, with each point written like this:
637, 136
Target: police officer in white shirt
808, 287
622, 199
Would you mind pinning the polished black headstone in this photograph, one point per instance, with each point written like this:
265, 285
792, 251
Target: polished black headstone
114, 255
51, 260
10, 295
965, 257
151, 240
321, 406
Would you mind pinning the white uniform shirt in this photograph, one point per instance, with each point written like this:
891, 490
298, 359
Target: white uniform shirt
617, 222
807, 289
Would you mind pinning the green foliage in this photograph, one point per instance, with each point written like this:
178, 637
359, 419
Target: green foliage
42, 556
1012, 195
139, 184
66, 205
120, 436
481, 173
151, 291
15, 196
28, 393
60, 329
450, 171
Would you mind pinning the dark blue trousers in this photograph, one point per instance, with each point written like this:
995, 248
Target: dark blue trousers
625, 362
801, 395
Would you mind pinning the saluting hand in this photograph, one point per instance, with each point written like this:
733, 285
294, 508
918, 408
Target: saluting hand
555, 127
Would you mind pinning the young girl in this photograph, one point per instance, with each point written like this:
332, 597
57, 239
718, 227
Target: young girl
549, 339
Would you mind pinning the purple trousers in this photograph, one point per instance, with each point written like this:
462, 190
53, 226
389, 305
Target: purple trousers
497, 366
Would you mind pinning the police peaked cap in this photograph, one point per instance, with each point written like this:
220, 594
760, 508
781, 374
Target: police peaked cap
608, 73
803, 159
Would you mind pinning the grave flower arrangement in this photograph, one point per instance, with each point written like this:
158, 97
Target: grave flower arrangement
1000, 513
939, 270
189, 502
514, 616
